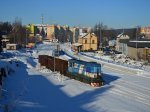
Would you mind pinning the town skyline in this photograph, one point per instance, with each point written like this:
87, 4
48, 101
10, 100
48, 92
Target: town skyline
114, 14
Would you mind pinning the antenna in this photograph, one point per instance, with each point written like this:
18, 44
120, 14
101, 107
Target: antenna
42, 18
42, 26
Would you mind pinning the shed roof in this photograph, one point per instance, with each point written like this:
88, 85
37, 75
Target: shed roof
4, 40
139, 44
84, 62
124, 41
12, 44
85, 35
77, 44
123, 36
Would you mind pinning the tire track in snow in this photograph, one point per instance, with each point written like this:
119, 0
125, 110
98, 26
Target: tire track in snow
129, 84
130, 90
130, 95
134, 86
125, 72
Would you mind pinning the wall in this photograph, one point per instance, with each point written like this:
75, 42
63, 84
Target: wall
123, 48
50, 32
138, 54
75, 34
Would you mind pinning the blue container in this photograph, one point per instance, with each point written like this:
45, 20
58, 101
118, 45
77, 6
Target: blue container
88, 69
70, 69
76, 70
91, 67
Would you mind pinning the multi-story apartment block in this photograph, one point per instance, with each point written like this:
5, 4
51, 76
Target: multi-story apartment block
62, 33
75, 34
42, 29
51, 32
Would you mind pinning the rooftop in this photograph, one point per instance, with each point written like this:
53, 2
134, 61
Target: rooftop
139, 44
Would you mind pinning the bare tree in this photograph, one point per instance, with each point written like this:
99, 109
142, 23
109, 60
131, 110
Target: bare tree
19, 32
5, 28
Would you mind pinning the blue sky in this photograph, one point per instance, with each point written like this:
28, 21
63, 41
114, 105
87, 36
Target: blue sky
113, 13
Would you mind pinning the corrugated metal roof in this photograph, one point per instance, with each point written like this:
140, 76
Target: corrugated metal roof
123, 36
84, 62
139, 44
124, 41
77, 44
84, 35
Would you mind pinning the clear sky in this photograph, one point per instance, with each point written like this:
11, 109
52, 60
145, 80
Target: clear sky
113, 13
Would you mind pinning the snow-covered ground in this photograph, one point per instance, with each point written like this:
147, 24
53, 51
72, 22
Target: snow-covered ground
29, 89
120, 59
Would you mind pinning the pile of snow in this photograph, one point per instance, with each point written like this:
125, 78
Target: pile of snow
119, 59
45, 70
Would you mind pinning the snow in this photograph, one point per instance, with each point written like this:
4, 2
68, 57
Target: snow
141, 41
120, 59
31, 89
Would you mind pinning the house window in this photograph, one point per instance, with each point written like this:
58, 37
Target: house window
85, 41
92, 41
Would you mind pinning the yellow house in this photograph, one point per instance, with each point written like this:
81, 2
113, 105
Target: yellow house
88, 41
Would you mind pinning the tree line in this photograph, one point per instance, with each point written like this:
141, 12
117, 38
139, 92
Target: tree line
16, 32
105, 33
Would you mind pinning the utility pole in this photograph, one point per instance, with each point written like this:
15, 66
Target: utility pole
99, 29
54, 61
100, 44
14, 33
136, 45
15, 38
54, 53
100, 35
42, 25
